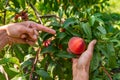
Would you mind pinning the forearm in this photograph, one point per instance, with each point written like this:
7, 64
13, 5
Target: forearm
82, 75
3, 38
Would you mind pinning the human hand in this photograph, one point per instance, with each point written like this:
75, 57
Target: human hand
17, 32
80, 66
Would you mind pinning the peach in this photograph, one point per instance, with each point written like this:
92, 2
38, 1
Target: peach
76, 45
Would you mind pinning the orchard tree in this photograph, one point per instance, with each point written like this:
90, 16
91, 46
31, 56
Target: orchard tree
48, 59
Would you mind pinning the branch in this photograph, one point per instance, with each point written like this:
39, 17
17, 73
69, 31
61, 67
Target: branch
3, 72
106, 72
49, 16
4, 19
34, 63
36, 12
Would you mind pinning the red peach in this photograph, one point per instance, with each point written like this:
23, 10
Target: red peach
76, 45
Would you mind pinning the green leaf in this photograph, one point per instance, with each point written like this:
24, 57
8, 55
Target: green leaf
2, 76
22, 3
102, 29
69, 21
26, 64
87, 29
72, 31
101, 22
51, 68
64, 54
49, 49
61, 35
116, 76
4, 61
10, 60
18, 51
33, 2
11, 71
16, 3
19, 77
14, 60
43, 74
92, 20
95, 61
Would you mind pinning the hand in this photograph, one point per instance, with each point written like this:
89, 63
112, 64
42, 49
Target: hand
81, 65
17, 32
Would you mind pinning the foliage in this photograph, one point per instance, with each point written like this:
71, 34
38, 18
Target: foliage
84, 18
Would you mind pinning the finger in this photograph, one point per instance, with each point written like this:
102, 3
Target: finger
31, 33
23, 36
43, 28
30, 42
91, 46
86, 56
17, 40
38, 27
36, 33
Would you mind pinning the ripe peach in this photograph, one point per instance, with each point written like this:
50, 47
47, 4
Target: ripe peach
76, 45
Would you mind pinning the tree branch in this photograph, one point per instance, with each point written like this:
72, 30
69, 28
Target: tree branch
106, 72
34, 63
4, 19
36, 12
3, 72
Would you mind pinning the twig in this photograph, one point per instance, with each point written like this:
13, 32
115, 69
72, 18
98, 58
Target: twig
34, 63
36, 12
3, 72
4, 19
49, 16
106, 72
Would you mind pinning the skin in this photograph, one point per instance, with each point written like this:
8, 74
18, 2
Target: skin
25, 32
81, 65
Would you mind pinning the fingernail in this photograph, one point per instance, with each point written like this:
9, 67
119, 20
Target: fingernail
35, 37
94, 41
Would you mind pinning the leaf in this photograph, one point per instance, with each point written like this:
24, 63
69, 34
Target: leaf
64, 54
61, 35
43, 74
2, 76
87, 29
26, 64
102, 29
69, 21
11, 71
18, 52
101, 22
10, 60
71, 31
116, 76
19, 77
16, 3
49, 49
95, 61
22, 3
111, 55
33, 2
4, 61
14, 60
51, 68
92, 20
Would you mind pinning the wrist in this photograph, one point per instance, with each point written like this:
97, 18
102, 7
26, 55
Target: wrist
81, 75
3, 37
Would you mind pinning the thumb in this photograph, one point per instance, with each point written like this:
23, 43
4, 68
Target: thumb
91, 46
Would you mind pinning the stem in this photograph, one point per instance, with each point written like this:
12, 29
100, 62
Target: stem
49, 16
36, 12
4, 19
106, 72
34, 63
